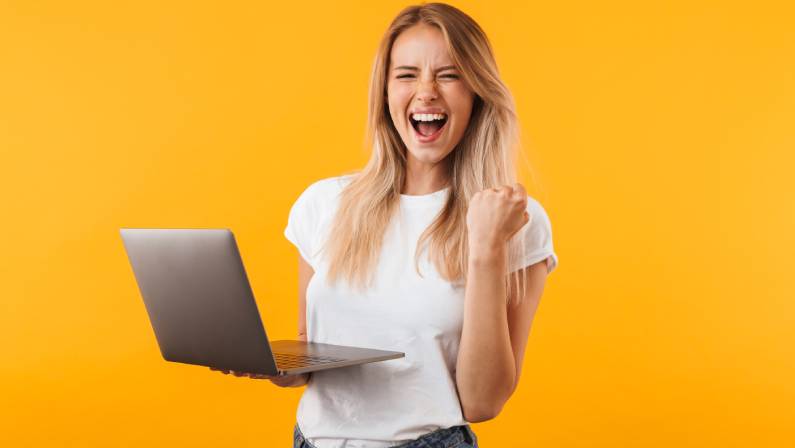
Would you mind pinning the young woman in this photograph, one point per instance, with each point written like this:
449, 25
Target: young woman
432, 249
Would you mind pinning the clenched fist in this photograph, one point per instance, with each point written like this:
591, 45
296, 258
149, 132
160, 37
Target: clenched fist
495, 215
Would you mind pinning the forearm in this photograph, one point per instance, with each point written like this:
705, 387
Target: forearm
485, 369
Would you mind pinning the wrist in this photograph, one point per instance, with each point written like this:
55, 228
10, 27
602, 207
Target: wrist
482, 253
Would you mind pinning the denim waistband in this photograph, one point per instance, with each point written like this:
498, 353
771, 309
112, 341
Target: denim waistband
451, 437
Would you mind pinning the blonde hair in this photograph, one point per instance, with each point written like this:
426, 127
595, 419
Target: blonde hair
484, 158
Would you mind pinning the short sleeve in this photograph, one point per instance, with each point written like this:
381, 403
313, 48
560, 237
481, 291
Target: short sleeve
302, 223
537, 240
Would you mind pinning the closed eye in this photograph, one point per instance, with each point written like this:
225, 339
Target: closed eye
443, 76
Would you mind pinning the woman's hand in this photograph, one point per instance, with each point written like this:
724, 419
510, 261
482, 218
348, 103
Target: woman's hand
495, 215
281, 381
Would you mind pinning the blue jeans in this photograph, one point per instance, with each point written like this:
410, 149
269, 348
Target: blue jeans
455, 437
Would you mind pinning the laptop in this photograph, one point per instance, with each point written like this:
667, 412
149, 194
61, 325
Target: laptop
203, 312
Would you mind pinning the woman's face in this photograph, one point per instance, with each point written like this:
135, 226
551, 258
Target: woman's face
428, 100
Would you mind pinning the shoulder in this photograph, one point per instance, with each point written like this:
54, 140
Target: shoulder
326, 188
537, 212
538, 237
539, 228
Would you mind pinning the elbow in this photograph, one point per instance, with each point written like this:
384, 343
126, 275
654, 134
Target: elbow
485, 404
481, 413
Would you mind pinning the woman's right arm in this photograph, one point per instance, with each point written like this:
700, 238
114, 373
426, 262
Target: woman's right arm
305, 273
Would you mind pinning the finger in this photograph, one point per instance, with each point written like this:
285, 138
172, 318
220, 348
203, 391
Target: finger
519, 192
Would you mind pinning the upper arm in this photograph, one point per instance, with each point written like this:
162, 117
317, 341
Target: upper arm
520, 316
305, 273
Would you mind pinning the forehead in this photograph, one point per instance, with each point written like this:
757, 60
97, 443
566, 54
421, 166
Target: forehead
419, 45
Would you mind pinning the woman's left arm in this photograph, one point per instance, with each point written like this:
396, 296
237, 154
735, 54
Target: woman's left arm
494, 335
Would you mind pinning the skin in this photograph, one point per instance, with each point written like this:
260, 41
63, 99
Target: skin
422, 74
494, 334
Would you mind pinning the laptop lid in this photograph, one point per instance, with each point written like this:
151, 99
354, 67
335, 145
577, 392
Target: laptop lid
198, 298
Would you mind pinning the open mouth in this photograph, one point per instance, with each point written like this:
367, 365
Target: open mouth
428, 125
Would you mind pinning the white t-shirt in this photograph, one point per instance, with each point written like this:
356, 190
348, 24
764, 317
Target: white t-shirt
387, 403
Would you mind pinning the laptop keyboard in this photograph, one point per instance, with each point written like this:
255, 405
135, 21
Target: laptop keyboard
291, 361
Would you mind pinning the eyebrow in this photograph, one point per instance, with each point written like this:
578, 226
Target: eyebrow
413, 68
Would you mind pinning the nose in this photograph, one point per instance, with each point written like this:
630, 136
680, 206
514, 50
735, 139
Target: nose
426, 90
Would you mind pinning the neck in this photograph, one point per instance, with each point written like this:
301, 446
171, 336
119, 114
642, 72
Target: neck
424, 178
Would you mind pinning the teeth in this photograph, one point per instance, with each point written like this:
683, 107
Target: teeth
427, 117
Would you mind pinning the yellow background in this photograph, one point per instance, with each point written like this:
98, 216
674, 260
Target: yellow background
660, 136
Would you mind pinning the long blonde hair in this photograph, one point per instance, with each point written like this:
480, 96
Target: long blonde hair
484, 158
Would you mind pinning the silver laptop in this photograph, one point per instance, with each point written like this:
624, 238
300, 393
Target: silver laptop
203, 312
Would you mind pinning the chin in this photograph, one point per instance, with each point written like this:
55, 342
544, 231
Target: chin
427, 155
